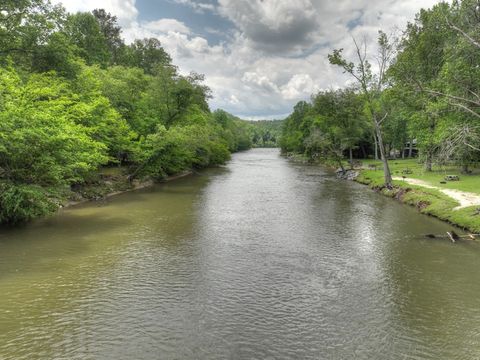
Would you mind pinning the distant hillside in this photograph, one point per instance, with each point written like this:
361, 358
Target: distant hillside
266, 133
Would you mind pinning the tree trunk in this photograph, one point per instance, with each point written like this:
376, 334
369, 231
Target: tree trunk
364, 153
351, 157
429, 161
376, 146
430, 151
392, 149
340, 164
386, 169
410, 148
403, 153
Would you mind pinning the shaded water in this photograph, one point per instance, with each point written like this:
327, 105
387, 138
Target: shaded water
261, 259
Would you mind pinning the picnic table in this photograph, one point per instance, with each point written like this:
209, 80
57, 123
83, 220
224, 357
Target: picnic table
452, 178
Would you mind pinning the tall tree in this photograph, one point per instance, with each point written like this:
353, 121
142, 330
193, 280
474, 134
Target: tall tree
147, 54
85, 33
415, 73
111, 32
24, 26
371, 85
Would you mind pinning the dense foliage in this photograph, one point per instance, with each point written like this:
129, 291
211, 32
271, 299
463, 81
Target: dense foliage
266, 133
423, 96
74, 97
332, 124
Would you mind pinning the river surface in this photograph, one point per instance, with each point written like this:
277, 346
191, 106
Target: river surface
260, 259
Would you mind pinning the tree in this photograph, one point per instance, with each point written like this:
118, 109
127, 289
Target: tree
147, 54
396, 128
336, 125
343, 110
57, 54
371, 86
415, 72
169, 97
42, 148
461, 144
93, 110
111, 33
74, 98
296, 128
125, 87
24, 26
235, 132
83, 30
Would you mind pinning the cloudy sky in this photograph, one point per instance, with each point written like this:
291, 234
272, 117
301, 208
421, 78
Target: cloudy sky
260, 57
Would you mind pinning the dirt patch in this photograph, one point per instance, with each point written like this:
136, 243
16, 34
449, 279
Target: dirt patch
422, 204
401, 193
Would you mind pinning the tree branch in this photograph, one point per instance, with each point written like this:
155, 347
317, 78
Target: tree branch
468, 37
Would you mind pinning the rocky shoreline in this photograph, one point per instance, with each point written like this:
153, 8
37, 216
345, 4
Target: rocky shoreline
112, 186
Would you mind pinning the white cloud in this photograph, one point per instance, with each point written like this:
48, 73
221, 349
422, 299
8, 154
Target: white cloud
199, 7
167, 25
234, 100
300, 85
259, 80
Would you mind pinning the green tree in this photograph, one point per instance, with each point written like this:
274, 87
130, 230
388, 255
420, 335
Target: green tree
83, 30
371, 86
111, 33
147, 54
125, 88
415, 72
296, 128
94, 111
24, 26
41, 146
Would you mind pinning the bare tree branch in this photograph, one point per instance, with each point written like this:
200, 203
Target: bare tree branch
435, 92
466, 109
468, 37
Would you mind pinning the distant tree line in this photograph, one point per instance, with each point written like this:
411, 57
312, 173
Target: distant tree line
75, 97
266, 133
425, 90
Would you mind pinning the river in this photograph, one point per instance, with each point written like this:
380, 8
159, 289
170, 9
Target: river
260, 259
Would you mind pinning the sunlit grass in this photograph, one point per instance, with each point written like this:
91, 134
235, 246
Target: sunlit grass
428, 201
469, 183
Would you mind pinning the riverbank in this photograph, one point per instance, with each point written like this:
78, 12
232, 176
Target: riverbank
455, 203
447, 201
111, 182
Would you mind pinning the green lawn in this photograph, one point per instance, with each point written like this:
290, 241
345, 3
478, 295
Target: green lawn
470, 183
426, 200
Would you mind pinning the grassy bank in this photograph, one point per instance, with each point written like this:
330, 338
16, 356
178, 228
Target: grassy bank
427, 201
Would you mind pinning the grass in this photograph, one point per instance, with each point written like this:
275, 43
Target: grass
469, 183
427, 201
